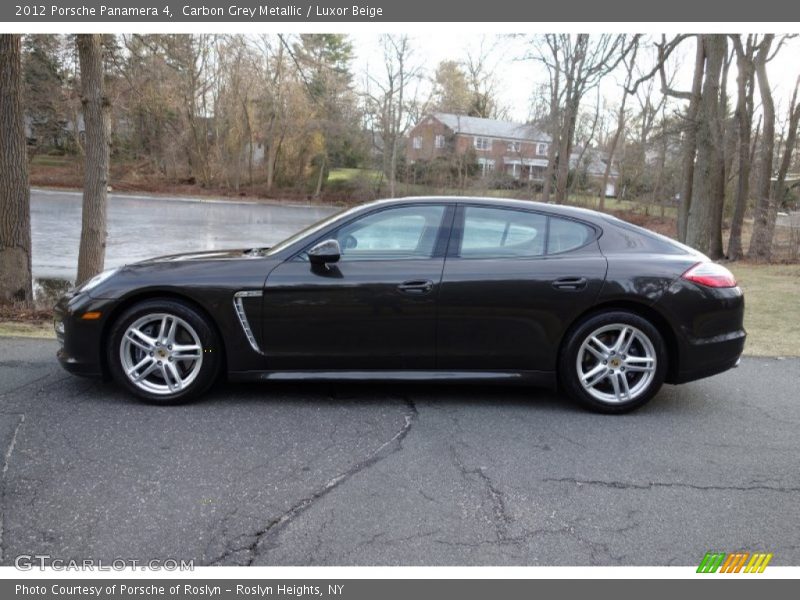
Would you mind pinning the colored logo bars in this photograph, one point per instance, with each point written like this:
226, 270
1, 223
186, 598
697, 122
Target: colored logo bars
734, 563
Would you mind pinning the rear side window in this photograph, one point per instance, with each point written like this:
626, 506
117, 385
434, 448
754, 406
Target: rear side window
566, 235
497, 232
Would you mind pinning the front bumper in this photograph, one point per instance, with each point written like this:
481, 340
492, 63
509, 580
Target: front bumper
81, 341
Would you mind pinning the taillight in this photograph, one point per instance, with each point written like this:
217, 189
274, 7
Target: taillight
711, 275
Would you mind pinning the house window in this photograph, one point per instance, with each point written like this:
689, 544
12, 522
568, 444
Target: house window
541, 149
482, 143
438, 141
514, 146
486, 165
417, 143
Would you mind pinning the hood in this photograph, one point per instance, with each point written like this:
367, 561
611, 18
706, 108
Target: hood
208, 255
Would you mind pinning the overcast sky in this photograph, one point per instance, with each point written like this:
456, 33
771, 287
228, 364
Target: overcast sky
517, 79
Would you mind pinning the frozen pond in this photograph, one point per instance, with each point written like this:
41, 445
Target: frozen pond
141, 227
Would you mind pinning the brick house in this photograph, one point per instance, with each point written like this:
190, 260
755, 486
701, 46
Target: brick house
517, 149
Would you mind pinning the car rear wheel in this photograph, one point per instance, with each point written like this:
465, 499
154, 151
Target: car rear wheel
613, 362
164, 351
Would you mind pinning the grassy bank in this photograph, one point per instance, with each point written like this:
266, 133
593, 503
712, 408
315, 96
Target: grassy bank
772, 314
43, 330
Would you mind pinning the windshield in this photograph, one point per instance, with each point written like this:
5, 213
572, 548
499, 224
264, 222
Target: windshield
308, 231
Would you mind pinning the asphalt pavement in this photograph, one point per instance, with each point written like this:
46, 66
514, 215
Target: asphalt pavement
349, 474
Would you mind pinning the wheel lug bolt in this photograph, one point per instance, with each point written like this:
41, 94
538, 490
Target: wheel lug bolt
605, 362
151, 354
159, 363
169, 347
170, 359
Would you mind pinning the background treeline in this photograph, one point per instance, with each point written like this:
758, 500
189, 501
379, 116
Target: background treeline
687, 125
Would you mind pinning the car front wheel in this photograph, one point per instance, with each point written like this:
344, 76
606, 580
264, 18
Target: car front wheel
164, 351
613, 362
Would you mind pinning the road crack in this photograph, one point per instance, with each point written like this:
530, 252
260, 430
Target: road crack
501, 518
252, 550
6, 462
623, 485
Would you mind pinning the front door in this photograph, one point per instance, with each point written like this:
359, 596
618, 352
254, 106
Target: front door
374, 309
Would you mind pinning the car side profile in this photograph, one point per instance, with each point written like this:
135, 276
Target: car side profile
418, 289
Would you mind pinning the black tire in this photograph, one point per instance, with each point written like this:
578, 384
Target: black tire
192, 319
615, 366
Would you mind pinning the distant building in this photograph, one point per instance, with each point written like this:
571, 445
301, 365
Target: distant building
517, 149
592, 166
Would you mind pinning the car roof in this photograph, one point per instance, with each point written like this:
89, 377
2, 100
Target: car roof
556, 209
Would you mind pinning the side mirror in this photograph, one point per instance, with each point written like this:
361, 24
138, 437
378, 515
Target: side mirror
325, 252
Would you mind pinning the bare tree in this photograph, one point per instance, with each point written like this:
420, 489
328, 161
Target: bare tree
97, 117
15, 216
745, 86
581, 62
389, 103
630, 63
760, 242
689, 149
779, 185
704, 224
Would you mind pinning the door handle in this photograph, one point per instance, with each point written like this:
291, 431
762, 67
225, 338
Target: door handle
416, 286
573, 284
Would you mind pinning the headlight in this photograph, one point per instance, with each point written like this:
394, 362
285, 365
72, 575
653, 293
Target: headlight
96, 280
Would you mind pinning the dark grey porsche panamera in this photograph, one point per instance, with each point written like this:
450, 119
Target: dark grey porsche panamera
455, 289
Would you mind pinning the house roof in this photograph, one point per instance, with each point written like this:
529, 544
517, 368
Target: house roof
594, 162
491, 127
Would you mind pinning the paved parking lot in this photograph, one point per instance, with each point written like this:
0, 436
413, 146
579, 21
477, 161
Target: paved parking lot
386, 474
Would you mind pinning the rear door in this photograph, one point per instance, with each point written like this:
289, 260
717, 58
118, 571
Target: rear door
375, 309
513, 281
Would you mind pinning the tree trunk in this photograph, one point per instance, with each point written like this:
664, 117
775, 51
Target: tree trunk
564, 152
690, 142
15, 206
612, 150
704, 223
97, 117
760, 242
552, 148
744, 121
779, 187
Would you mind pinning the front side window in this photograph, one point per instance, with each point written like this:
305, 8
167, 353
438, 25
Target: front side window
499, 232
417, 142
482, 143
438, 141
407, 232
541, 149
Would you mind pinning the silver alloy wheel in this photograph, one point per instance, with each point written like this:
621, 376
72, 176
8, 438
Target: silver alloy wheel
161, 353
616, 363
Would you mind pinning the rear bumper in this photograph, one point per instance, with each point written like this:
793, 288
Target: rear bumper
707, 357
708, 324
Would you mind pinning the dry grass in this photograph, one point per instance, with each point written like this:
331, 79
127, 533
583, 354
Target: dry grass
24, 322
772, 308
27, 330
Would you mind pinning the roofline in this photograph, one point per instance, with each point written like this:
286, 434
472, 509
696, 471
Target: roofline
547, 207
495, 137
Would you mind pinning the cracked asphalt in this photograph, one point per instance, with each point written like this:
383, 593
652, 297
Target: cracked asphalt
351, 474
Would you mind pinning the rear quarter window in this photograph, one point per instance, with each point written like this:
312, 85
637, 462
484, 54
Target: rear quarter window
566, 235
